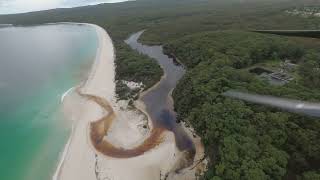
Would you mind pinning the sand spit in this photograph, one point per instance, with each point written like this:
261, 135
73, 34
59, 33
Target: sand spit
93, 107
99, 129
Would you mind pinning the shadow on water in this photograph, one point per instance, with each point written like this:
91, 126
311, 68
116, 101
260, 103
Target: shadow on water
157, 100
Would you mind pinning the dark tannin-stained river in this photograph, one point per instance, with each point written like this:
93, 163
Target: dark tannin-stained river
157, 100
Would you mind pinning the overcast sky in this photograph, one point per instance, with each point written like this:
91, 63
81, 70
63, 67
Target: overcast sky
20, 6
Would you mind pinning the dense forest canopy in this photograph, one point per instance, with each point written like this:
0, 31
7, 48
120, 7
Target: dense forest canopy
243, 140
171, 19
211, 38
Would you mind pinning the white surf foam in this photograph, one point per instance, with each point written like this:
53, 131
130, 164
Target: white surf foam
66, 148
66, 93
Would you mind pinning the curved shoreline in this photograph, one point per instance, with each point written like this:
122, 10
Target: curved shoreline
63, 155
101, 96
82, 158
93, 70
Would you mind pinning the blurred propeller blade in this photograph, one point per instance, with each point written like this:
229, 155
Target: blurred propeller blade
301, 107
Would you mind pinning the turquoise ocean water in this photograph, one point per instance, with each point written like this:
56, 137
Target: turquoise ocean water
37, 65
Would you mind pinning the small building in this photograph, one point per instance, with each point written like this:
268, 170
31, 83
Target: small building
287, 66
273, 77
280, 78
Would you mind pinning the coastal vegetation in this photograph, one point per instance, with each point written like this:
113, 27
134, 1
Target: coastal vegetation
132, 66
242, 140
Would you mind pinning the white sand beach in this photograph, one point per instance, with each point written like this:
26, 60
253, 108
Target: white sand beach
81, 161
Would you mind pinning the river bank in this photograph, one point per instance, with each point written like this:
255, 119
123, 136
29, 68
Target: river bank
160, 106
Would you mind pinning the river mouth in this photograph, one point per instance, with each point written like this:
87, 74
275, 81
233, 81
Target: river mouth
158, 99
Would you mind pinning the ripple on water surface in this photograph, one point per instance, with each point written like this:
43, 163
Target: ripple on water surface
37, 65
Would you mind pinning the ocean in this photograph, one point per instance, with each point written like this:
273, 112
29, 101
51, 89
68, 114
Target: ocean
38, 64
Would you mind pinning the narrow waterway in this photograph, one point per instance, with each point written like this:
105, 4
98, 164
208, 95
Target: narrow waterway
157, 100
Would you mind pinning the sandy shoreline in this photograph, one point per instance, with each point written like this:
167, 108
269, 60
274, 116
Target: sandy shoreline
80, 160
77, 109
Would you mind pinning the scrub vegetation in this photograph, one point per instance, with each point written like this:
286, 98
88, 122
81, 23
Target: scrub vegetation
212, 39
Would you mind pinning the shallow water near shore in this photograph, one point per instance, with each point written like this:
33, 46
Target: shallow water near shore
157, 100
37, 65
